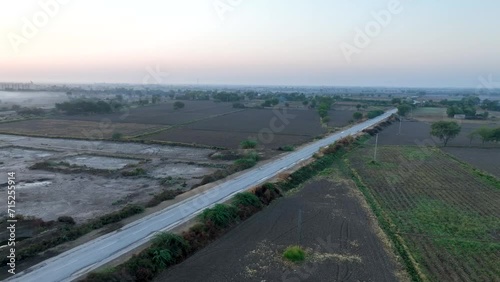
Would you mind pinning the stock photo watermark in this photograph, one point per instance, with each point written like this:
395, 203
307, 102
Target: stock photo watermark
487, 84
31, 26
223, 7
363, 36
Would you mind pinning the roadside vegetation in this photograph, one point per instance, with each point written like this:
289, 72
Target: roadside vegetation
214, 222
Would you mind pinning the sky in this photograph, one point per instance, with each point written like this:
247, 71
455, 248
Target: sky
426, 43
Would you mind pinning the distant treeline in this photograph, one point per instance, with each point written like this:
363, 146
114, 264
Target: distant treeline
88, 107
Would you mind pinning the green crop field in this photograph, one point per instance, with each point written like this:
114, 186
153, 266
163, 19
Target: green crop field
445, 216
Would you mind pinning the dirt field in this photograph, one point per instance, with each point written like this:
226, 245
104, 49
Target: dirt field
290, 127
336, 230
229, 140
416, 133
437, 114
483, 158
446, 215
340, 118
161, 114
75, 128
85, 195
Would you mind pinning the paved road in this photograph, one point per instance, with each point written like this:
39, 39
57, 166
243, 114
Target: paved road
84, 258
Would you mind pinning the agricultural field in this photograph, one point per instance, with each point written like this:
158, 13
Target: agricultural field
340, 118
443, 213
413, 133
486, 159
429, 114
75, 128
281, 128
339, 235
161, 114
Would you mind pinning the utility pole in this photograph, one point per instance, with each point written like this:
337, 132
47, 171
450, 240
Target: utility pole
376, 145
400, 121
299, 227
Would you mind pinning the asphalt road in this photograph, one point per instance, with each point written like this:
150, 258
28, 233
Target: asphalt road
76, 262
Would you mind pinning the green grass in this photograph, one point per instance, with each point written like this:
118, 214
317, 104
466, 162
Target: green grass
434, 210
415, 153
294, 254
246, 199
248, 144
220, 215
459, 231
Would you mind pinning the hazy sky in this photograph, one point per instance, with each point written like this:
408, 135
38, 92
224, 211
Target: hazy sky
270, 42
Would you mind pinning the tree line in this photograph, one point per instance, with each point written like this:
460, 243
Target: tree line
88, 107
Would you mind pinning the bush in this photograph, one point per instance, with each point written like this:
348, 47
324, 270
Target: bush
66, 219
178, 105
166, 249
374, 114
246, 199
243, 164
357, 115
239, 106
117, 136
220, 215
248, 144
294, 254
287, 148
163, 196
136, 172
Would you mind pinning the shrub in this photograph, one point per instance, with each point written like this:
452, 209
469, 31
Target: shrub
163, 196
220, 215
178, 105
66, 219
238, 106
248, 144
166, 249
357, 115
246, 199
243, 164
136, 172
287, 148
374, 114
294, 254
117, 136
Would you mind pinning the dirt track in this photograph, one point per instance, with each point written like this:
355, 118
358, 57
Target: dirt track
336, 230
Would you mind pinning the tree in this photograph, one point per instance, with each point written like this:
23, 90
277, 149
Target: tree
486, 134
178, 105
357, 115
445, 130
396, 101
403, 110
472, 136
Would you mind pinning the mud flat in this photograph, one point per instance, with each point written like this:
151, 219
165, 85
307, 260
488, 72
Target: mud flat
80, 192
